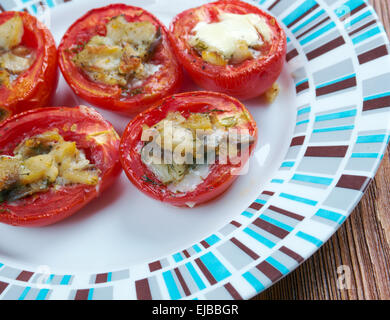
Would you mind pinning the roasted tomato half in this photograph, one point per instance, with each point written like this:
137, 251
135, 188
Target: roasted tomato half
189, 148
119, 58
54, 161
28, 64
230, 47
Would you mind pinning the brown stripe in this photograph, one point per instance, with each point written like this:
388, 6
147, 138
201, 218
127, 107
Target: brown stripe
292, 254
143, 290
338, 86
353, 182
331, 45
268, 193
302, 16
303, 86
256, 206
101, 278
205, 271
287, 213
82, 294
235, 223
205, 244
24, 276
183, 284
233, 292
374, 104
362, 27
154, 266
276, 231
297, 141
274, 4
327, 152
186, 253
3, 286
292, 54
350, 14
373, 54
244, 248
271, 272
1, 8
313, 27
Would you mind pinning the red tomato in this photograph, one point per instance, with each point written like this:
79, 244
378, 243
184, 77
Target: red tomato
35, 87
245, 80
92, 134
165, 81
221, 176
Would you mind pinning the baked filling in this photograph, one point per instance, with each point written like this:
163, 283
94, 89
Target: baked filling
179, 151
232, 40
122, 57
15, 58
42, 162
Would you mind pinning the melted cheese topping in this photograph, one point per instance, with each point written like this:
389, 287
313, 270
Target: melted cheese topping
176, 148
231, 38
121, 57
41, 162
14, 58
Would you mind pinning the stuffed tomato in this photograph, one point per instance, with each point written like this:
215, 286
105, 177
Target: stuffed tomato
28, 64
119, 58
53, 162
189, 148
230, 47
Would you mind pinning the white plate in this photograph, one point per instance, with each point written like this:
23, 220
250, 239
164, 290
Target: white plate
320, 144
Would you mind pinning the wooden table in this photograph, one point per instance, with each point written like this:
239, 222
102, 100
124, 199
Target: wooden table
358, 255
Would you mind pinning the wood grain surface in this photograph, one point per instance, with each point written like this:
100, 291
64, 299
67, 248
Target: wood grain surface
355, 263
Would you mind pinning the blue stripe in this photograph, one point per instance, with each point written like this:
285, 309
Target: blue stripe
336, 115
213, 239
302, 122
252, 280
312, 179
216, 268
65, 280
109, 277
171, 285
361, 17
304, 110
302, 9
279, 181
309, 238
378, 138
50, 3
299, 199
50, 278
330, 215
318, 14
197, 248
377, 96
277, 223
247, 214
90, 294
352, 4
365, 155
177, 257
336, 81
42, 294
195, 276
277, 265
342, 128
261, 201
24, 293
300, 82
319, 32
259, 238
366, 35
288, 164
1, 265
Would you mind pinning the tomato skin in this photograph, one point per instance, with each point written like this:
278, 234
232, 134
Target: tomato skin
166, 81
244, 81
221, 175
36, 86
81, 125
